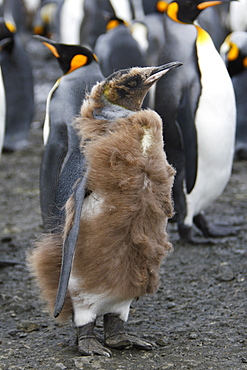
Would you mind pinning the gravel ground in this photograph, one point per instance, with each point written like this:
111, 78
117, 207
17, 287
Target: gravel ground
197, 318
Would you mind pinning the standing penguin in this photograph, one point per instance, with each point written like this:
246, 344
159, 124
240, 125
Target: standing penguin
199, 114
18, 85
117, 49
80, 72
115, 229
234, 51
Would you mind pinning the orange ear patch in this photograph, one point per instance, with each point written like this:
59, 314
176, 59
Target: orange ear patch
161, 6
245, 62
233, 52
78, 61
52, 49
112, 24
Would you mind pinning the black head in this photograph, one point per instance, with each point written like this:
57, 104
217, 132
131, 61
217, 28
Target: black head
128, 87
70, 57
186, 11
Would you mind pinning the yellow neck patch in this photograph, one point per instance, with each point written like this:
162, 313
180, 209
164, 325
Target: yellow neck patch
202, 35
172, 12
11, 27
78, 61
162, 6
52, 49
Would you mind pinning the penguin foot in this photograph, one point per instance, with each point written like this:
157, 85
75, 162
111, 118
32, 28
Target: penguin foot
88, 344
214, 231
116, 337
186, 236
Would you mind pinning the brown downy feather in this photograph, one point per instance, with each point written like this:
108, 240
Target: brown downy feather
45, 264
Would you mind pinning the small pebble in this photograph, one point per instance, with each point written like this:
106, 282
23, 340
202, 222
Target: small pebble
193, 335
171, 305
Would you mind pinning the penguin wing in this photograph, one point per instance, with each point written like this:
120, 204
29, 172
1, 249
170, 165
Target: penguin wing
186, 122
72, 171
72, 184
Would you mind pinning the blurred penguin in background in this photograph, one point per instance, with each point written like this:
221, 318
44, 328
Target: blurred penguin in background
61, 152
197, 105
71, 17
117, 49
234, 52
46, 21
238, 15
94, 20
18, 85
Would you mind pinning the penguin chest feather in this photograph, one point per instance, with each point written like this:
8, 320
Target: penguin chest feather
123, 241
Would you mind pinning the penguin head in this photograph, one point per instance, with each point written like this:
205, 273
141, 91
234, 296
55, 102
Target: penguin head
7, 33
114, 22
234, 52
186, 11
128, 87
69, 57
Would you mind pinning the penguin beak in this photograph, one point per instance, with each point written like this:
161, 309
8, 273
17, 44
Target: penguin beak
158, 72
206, 4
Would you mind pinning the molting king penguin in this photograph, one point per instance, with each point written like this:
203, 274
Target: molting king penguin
80, 72
114, 237
18, 87
197, 105
234, 52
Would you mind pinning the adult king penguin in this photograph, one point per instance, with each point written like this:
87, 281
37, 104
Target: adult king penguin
115, 229
80, 72
197, 105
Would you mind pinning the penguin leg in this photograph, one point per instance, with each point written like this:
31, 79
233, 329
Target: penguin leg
116, 336
185, 233
88, 344
210, 230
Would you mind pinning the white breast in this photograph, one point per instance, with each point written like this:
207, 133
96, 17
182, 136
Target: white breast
72, 14
215, 124
46, 128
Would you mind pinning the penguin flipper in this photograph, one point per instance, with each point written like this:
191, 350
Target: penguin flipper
72, 171
70, 244
189, 135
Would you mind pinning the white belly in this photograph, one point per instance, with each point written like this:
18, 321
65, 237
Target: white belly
215, 124
87, 307
72, 14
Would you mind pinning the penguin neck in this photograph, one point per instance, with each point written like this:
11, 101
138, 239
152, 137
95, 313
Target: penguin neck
202, 35
111, 112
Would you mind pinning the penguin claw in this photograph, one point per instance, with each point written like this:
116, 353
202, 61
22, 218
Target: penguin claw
116, 337
126, 341
88, 344
91, 346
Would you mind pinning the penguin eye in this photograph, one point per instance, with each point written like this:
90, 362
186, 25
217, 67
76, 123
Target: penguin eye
133, 82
